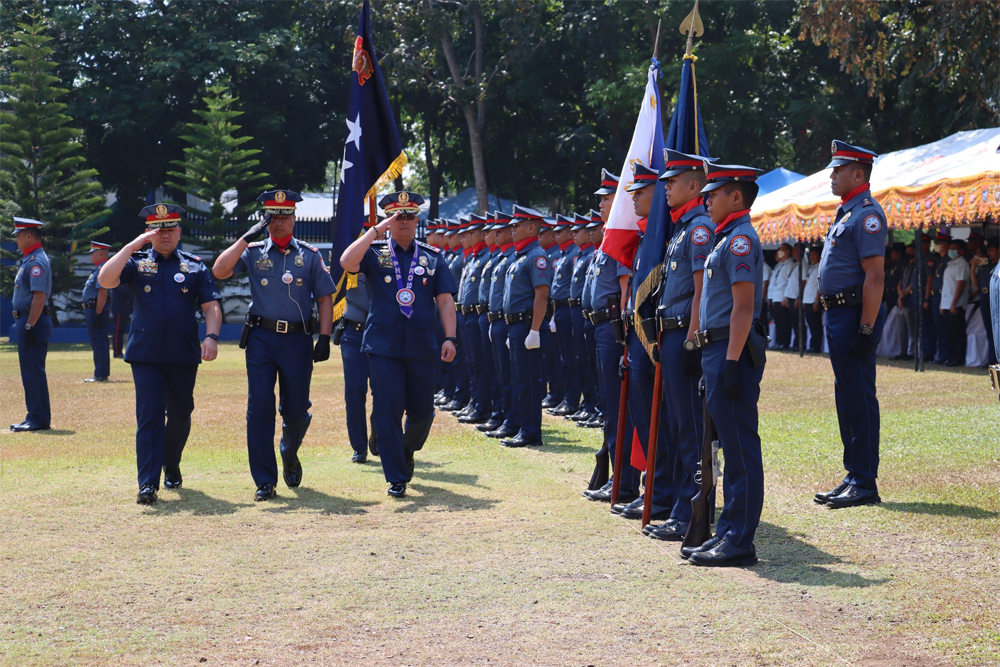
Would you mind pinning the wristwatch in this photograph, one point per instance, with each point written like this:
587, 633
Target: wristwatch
865, 330
27, 327
452, 339
690, 345
213, 336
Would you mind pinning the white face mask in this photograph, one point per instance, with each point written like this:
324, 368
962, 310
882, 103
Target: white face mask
953, 254
780, 254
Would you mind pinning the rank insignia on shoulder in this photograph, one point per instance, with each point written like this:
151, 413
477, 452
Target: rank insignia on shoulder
307, 246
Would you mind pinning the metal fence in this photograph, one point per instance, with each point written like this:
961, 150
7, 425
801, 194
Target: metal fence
310, 230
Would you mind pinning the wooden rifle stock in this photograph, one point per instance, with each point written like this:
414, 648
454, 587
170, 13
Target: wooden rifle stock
654, 436
703, 503
616, 478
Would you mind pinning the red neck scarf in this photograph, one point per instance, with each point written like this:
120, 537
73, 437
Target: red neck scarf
729, 218
563, 246
854, 193
493, 248
467, 251
642, 225
677, 213
479, 246
586, 245
546, 247
521, 245
31, 249
282, 243
506, 246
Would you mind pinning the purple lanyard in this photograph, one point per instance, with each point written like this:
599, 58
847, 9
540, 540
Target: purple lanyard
404, 295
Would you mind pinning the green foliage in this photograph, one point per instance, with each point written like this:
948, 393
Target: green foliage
215, 163
43, 172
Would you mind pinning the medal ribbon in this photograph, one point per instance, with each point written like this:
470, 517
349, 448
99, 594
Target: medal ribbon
406, 310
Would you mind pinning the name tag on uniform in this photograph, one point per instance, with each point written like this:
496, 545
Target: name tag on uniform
264, 263
673, 266
710, 273
147, 266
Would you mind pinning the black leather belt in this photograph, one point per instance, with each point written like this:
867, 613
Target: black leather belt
598, 316
281, 326
482, 310
573, 303
703, 338
494, 317
935, 292
849, 297
672, 323
518, 317
19, 313
559, 303
351, 324
90, 303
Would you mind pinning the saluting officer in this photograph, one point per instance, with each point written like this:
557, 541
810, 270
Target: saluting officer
95, 309
525, 306
32, 287
406, 279
564, 350
286, 276
509, 425
732, 342
355, 361
851, 275
582, 342
678, 318
168, 286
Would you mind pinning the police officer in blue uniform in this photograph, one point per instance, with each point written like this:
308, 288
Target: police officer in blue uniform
121, 318
96, 309
168, 286
481, 394
732, 342
459, 380
32, 288
582, 337
525, 307
677, 320
488, 368
286, 276
564, 350
509, 425
596, 229
553, 373
851, 275
350, 328
406, 279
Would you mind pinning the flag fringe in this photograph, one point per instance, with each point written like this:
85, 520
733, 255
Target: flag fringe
394, 171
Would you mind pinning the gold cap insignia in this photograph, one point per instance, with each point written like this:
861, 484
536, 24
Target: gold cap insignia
279, 196
833, 147
403, 199
161, 211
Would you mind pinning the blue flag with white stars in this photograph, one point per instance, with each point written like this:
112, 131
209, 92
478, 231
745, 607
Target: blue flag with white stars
373, 154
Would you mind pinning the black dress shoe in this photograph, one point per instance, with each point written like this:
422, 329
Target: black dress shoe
821, 497
264, 492
564, 411
657, 513
560, 406
291, 470
397, 490
359, 457
601, 495
501, 433
624, 504
491, 425
27, 426
172, 477
671, 531
724, 554
102, 378
550, 402
147, 495
709, 544
519, 441
852, 496
580, 415
466, 411
442, 400
474, 418
452, 406
593, 422
410, 465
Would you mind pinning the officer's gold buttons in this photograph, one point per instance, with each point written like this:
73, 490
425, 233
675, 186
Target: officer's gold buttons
147, 289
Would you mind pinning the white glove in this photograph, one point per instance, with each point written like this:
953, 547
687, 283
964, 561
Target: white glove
508, 343
552, 325
532, 341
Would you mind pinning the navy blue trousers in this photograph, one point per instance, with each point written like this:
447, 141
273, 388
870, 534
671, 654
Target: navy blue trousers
640, 401
854, 393
457, 387
479, 393
685, 420
121, 322
527, 379
494, 392
287, 360
161, 390
566, 349
97, 332
355, 389
984, 309
585, 359
736, 425
552, 372
33, 378
501, 356
609, 355
401, 386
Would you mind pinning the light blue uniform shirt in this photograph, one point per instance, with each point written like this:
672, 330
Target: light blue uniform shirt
91, 286
736, 257
604, 285
530, 268
284, 284
563, 280
499, 279
581, 270
693, 239
34, 274
859, 231
358, 301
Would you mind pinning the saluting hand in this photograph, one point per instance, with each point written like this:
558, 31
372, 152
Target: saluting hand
209, 349
142, 239
447, 351
383, 226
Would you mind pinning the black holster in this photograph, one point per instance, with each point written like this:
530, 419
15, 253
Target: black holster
649, 328
617, 324
245, 336
338, 331
757, 342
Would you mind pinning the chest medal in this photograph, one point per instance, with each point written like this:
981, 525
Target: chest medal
264, 263
299, 261
147, 266
184, 268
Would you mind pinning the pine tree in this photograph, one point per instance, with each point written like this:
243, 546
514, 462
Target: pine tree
43, 174
215, 164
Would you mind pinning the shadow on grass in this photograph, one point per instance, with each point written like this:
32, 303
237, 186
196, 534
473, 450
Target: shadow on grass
788, 559
304, 498
425, 470
556, 441
54, 432
437, 497
196, 503
942, 509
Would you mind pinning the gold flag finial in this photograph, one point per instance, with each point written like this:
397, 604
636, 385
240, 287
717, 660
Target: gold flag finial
692, 27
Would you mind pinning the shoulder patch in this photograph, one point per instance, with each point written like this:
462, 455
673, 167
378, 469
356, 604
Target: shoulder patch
872, 224
428, 246
256, 244
740, 245
306, 245
190, 255
36, 271
700, 235
541, 263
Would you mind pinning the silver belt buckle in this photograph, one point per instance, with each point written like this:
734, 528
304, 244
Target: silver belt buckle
282, 326
700, 338
995, 377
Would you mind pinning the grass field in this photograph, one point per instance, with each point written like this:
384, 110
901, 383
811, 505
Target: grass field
493, 557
